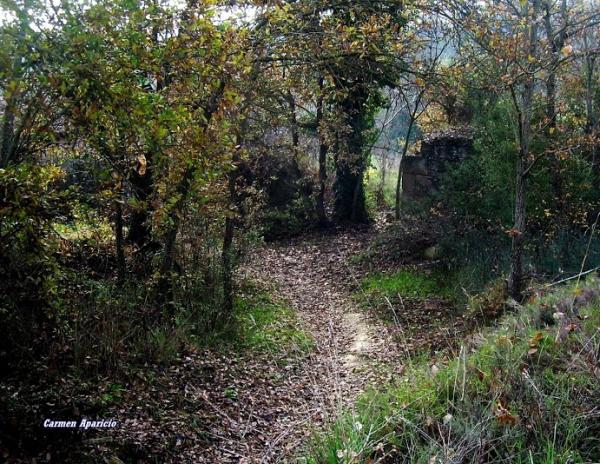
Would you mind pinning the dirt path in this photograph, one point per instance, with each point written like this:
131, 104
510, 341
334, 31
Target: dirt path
352, 350
314, 276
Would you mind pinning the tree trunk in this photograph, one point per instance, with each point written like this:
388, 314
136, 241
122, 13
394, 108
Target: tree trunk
590, 110
321, 213
380, 193
524, 112
227, 268
165, 284
143, 186
227, 252
556, 42
119, 241
350, 202
349, 195
518, 240
8, 123
293, 120
404, 151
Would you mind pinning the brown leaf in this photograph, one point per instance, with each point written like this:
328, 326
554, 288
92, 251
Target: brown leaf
503, 415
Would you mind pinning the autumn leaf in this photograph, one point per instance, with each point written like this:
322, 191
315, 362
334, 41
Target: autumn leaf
503, 415
513, 233
534, 341
141, 165
567, 50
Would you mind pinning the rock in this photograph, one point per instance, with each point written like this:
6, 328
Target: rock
432, 252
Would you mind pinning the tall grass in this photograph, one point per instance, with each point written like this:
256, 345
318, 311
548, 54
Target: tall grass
525, 392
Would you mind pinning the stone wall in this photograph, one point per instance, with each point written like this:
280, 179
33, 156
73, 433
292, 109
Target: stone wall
422, 173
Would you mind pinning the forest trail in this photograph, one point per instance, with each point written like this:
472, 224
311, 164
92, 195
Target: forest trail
234, 406
313, 275
352, 350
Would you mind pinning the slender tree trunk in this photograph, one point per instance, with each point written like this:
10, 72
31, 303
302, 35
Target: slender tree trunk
7, 133
556, 42
404, 151
359, 207
524, 112
518, 239
227, 252
165, 285
591, 117
227, 270
119, 241
293, 120
321, 213
591, 122
381, 186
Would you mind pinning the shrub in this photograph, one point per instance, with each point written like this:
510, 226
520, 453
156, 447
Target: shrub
32, 201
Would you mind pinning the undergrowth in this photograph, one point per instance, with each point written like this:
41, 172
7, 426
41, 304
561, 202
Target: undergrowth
265, 325
525, 392
407, 283
376, 195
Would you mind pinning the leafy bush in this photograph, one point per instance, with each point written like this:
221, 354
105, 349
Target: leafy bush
289, 221
478, 196
32, 201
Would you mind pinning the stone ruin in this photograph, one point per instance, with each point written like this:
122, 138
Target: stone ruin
422, 173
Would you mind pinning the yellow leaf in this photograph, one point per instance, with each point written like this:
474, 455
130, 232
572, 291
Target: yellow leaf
534, 342
566, 50
503, 415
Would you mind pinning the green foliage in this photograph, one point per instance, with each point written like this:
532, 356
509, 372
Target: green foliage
32, 276
407, 283
128, 331
376, 192
479, 195
298, 217
482, 186
521, 393
267, 326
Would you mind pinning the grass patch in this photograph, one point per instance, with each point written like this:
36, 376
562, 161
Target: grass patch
407, 283
525, 392
267, 326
